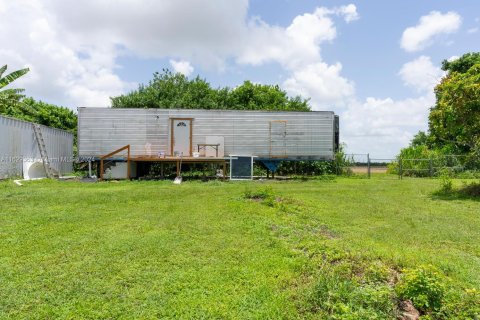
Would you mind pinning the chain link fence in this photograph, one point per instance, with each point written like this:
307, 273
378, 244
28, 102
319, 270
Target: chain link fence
453, 165
364, 165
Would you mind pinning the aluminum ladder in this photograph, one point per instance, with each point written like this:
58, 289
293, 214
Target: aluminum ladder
43, 150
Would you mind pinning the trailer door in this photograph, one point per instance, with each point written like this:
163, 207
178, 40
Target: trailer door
181, 137
278, 139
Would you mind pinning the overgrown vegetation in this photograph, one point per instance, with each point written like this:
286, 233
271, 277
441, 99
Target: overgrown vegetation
40, 112
425, 286
454, 121
339, 249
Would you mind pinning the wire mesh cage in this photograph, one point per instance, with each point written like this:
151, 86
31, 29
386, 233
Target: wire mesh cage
241, 168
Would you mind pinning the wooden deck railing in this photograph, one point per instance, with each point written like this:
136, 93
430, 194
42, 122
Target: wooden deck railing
127, 147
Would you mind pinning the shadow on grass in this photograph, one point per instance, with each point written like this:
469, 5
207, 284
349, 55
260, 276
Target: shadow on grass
469, 191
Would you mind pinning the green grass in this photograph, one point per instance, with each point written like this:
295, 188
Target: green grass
302, 249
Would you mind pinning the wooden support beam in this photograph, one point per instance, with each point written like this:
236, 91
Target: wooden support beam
127, 147
224, 170
128, 162
116, 151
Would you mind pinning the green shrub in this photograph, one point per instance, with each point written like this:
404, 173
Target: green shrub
393, 168
424, 286
446, 182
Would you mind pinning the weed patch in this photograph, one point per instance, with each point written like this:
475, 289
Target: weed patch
424, 286
337, 297
264, 195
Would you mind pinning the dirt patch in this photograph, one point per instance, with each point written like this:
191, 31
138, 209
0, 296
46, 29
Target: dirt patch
407, 311
372, 169
324, 231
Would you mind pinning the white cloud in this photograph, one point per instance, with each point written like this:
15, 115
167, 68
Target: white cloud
182, 66
297, 44
202, 32
383, 126
421, 74
429, 27
76, 46
298, 49
73, 48
349, 12
58, 74
322, 83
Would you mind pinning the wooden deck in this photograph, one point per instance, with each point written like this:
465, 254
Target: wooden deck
179, 160
175, 159
164, 159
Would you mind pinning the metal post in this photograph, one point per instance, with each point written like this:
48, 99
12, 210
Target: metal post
368, 165
89, 169
128, 162
224, 170
101, 169
431, 167
337, 166
400, 171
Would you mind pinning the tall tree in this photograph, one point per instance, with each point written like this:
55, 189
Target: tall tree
173, 90
454, 121
462, 64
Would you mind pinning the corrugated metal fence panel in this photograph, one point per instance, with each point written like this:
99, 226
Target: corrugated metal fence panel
59, 145
11, 133
18, 144
102, 130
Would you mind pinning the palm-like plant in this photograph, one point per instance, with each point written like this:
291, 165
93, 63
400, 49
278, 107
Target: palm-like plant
10, 97
4, 80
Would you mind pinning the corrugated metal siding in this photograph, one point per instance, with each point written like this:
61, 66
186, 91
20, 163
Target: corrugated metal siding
18, 144
309, 135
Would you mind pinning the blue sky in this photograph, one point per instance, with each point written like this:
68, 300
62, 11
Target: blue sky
375, 63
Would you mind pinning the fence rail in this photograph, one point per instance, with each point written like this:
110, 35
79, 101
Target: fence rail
365, 164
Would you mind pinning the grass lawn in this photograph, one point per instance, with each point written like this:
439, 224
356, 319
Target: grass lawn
298, 249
